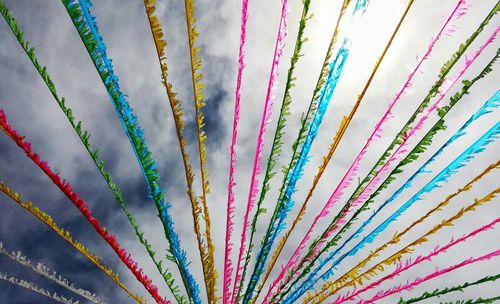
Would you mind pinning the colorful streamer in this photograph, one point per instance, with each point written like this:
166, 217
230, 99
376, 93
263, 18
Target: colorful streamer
326, 159
356, 278
279, 132
475, 301
257, 166
440, 292
66, 235
32, 286
458, 11
43, 270
84, 22
67, 189
209, 272
409, 263
327, 91
84, 137
228, 265
305, 121
477, 147
177, 113
447, 86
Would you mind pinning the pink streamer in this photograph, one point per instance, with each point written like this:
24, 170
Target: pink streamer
458, 12
228, 267
402, 266
418, 281
266, 114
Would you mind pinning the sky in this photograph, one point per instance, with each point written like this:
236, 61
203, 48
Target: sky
123, 24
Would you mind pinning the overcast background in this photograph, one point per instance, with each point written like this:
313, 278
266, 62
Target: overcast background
123, 24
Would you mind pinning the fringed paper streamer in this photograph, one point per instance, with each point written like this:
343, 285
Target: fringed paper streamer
85, 139
257, 166
439, 292
298, 160
474, 301
477, 147
405, 265
66, 235
337, 138
448, 84
177, 113
228, 266
413, 155
336, 68
33, 287
305, 121
67, 189
331, 288
278, 135
53, 276
84, 22
209, 272
458, 11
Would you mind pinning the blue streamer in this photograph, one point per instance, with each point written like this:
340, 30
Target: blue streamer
336, 67
460, 161
128, 119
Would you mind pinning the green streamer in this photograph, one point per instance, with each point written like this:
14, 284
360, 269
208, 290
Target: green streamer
439, 292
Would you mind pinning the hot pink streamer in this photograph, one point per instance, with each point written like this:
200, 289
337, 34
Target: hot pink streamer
67, 189
228, 267
266, 114
433, 275
402, 266
448, 28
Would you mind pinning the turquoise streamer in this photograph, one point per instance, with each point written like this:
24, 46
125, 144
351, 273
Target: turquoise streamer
460, 161
336, 67
79, 11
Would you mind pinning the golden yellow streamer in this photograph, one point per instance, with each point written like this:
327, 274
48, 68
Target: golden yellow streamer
209, 272
330, 288
177, 112
66, 235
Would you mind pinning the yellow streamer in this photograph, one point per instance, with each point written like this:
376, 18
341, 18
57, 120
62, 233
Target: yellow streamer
209, 272
66, 235
330, 288
177, 112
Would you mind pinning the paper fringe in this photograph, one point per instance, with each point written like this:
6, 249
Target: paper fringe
177, 113
67, 189
337, 138
209, 271
349, 176
32, 286
53, 276
305, 121
257, 166
277, 144
422, 145
443, 176
84, 22
228, 266
66, 235
334, 75
419, 148
353, 273
405, 265
440, 292
417, 127
84, 138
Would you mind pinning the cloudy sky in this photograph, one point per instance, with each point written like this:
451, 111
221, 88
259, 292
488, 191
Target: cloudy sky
123, 24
